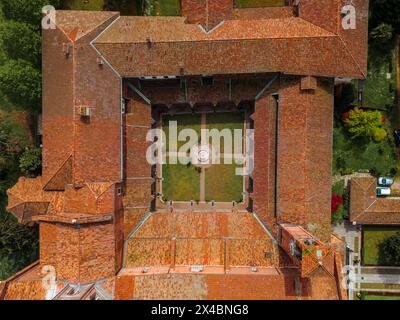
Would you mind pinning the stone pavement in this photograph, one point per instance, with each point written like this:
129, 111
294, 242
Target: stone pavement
365, 278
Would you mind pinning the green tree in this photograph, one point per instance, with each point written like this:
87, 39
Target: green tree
385, 12
389, 251
380, 134
27, 11
148, 7
124, 6
30, 162
20, 53
20, 87
18, 243
362, 123
21, 41
18, 246
21, 83
383, 32
384, 25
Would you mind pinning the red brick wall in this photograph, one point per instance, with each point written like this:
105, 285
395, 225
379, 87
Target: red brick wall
97, 252
319, 141
264, 159
291, 152
118, 228
234, 88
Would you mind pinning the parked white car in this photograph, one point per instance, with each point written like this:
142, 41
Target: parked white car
382, 181
382, 192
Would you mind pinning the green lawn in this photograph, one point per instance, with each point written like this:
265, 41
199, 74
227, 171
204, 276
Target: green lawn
373, 237
168, 7
184, 121
94, 5
259, 3
181, 182
376, 297
126, 8
222, 183
221, 121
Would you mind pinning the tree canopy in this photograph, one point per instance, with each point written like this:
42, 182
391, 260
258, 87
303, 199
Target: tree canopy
390, 251
20, 89
18, 243
384, 24
385, 12
27, 11
21, 83
362, 123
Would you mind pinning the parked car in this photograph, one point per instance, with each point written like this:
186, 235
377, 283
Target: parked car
382, 181
396, 135
382, 192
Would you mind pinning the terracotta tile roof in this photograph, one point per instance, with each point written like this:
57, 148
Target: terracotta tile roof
315, 255
27, 190
263, 13
320, 286
144, 46
367, 208
62, 177
27, 198
74, 218
237, 284
77, 24
174, 29
27, 285
29, 201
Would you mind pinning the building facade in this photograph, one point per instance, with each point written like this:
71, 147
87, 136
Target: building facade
105, 231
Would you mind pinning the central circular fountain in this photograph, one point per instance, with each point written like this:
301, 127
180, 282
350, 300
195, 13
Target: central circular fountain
203, 154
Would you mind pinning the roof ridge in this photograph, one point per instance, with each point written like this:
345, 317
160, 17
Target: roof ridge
221, 40
364, 211
342, 41
111, 15
352, 57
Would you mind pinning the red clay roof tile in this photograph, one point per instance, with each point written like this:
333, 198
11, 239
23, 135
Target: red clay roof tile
77, 24
367, 208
